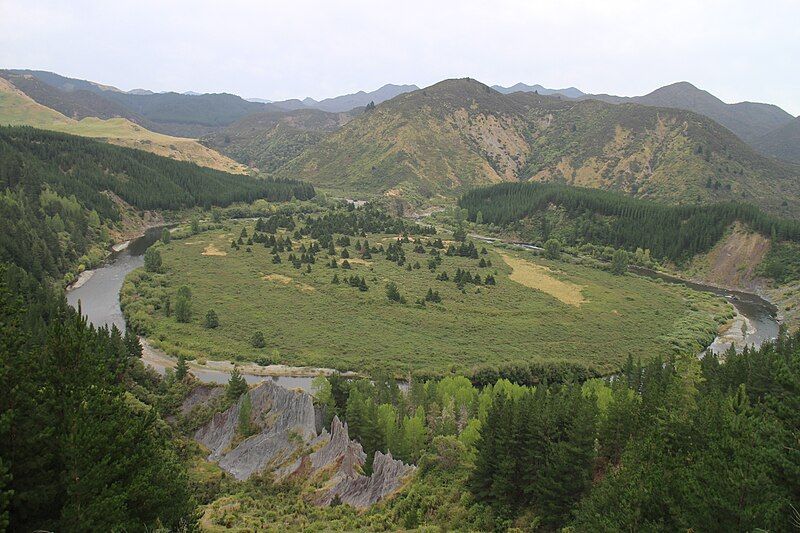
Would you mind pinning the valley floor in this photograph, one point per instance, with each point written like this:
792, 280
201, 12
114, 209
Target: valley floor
538, 310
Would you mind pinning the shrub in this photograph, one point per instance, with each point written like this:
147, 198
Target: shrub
258, 340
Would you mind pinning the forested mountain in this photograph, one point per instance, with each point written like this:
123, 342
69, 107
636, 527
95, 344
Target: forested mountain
458, 134
783, 142
268, 140
586, 216
56, 198
188, 115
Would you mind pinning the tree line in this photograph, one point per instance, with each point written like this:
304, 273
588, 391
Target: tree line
674, 232
667, 445
78, 452
55, 204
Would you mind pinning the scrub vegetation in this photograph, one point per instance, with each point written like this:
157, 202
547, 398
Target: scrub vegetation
356, 290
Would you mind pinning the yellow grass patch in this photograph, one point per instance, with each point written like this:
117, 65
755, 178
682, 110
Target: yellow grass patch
213, 250
358, 261
305, 288
286, 280
280, 278
540, 278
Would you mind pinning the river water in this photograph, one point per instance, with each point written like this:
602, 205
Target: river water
98, 298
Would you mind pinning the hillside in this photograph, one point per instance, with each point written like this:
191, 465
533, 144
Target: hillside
188, 115
75, 103
64, 194
18, 109
748, 120
270, 139
182, 115
783, 142
457, 134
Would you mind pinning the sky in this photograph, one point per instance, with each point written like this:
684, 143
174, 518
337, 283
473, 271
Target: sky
737, 50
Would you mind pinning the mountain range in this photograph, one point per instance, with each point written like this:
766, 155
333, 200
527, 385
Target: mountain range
459, 134
678, 143
348, 102
569, 92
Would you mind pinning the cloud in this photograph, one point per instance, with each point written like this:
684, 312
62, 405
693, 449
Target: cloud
738, 50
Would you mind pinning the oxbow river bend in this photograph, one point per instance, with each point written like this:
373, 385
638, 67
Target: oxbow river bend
98, 298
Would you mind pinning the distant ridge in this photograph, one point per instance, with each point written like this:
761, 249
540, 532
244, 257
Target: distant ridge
748, 120
783, 143
569, 92
347, 102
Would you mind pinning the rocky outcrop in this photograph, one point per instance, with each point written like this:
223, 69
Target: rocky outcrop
289, 443
200, 395
388, 476
285, 422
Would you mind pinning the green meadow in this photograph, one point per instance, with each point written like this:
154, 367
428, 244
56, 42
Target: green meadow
540, 310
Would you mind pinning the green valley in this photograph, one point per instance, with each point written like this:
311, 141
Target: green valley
306, 320
246, 284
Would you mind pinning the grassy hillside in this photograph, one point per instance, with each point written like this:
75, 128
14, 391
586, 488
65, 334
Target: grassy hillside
270, 139
77, 103
17, 109
182, 115
783, 143
458, 134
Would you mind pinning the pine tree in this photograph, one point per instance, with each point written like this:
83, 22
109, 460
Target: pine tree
182, 369
236, 385
212, 321
257, 340
392, 293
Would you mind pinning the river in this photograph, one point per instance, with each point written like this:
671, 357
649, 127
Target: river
98, 298
756, 320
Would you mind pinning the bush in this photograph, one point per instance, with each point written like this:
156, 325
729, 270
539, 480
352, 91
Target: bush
258, 340
152, 260
183, 305
212, 321
552, 249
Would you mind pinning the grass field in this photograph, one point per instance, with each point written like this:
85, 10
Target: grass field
539, 310
17, 109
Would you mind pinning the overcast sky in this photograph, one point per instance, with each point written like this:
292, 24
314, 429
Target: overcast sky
737, 50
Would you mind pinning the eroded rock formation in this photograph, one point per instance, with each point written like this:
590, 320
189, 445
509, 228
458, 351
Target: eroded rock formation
289, 442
